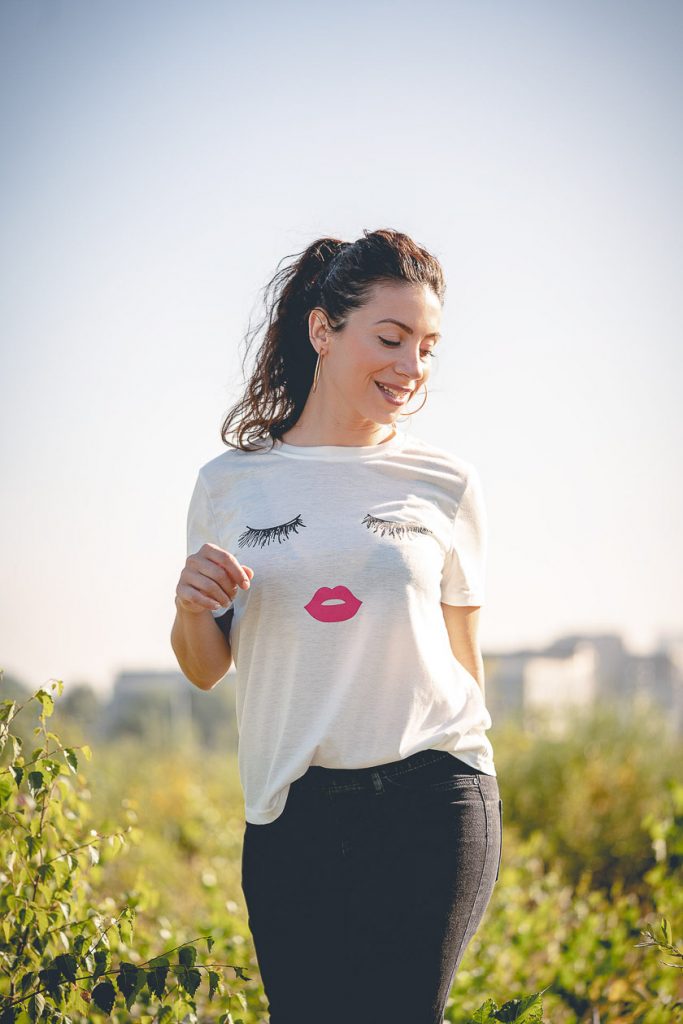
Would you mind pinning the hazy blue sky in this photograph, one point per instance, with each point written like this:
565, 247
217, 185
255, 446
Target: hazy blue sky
160, 158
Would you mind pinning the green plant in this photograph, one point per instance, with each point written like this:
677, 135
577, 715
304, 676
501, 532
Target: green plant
63, 956
67, 949
665, 944
528, 1010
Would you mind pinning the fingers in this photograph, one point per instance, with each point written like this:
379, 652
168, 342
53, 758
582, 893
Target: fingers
221, 594
194, 600
219, 565
211, 577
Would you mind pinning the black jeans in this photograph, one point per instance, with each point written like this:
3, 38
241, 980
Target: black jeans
363, 895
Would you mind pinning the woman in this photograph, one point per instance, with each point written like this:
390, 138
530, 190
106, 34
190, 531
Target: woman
373, 827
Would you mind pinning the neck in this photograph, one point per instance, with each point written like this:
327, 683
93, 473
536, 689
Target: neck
310, 435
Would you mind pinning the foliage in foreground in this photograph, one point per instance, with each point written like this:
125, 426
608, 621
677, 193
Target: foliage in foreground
70, 952
64, 957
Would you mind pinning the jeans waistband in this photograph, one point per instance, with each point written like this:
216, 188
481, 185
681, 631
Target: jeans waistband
318, 777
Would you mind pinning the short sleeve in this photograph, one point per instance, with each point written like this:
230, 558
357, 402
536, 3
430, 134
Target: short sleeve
463, 577
202, 528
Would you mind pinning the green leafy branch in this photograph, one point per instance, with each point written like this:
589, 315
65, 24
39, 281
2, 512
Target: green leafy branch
130, 978
666, 943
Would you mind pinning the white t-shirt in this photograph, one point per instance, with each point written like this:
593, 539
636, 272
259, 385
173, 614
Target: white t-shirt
340, 646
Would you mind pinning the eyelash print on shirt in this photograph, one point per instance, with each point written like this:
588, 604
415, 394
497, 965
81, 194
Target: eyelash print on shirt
251, 537
393, 529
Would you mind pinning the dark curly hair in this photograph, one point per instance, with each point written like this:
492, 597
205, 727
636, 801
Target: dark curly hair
337, 277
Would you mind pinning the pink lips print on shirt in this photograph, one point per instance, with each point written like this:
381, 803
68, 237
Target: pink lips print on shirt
333, 612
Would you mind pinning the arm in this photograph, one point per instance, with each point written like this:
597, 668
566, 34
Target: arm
200, 638
462, 623
201, 647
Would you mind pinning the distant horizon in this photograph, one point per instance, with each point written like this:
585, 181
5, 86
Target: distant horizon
107, 687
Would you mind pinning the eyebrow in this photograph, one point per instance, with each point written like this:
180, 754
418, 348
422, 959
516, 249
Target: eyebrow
409, 330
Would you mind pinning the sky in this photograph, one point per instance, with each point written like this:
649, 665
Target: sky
160, 159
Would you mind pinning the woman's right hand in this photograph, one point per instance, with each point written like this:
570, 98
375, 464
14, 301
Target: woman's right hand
210, 579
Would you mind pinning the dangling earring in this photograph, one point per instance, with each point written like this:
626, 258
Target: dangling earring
416, 410
317, 370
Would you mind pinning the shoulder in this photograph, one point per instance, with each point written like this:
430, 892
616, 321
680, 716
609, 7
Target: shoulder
216, 470
453, 468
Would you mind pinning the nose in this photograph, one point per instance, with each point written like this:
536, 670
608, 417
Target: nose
409, 365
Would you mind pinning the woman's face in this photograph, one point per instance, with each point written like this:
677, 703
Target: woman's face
391, 339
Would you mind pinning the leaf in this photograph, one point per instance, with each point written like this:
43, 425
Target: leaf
52, 767
67, 965
130, 980
666, 931
165, 1013
71, 759
102, 962
47, 703
484, 1015
43, 923
8, 710
126, 977
209, 942
49, 978
156, 980
528, 1010
103, 996
17, 773
35, 782
214, 978
189, 978
5, 788
87, 752
66, 913
36, 1005
33, 843
187, 955
26, 982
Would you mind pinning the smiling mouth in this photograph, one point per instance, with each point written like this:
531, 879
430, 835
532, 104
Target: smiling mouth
395, 397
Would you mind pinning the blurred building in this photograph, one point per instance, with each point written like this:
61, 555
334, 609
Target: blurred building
164, 707
583, 671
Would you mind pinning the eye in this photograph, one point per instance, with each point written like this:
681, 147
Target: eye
383, 526
251, 537
393, 344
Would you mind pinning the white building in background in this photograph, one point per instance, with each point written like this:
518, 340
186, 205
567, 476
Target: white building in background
169, 691
535, 687
557, 684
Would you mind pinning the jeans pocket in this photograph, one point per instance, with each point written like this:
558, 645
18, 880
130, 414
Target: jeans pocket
442, 776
